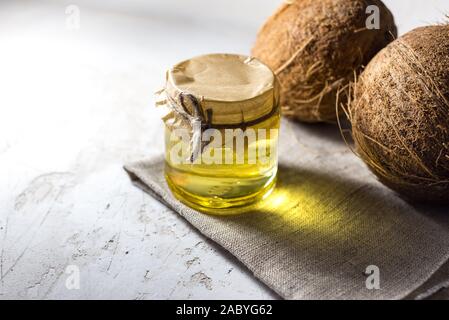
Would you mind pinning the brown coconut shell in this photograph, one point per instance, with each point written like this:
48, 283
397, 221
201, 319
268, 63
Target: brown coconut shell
400, 115
316, 47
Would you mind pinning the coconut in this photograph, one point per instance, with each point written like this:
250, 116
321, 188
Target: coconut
315, 47
400, 114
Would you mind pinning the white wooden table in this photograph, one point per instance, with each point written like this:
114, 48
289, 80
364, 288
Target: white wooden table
75, 105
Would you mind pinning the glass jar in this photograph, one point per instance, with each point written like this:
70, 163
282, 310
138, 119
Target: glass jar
221, 132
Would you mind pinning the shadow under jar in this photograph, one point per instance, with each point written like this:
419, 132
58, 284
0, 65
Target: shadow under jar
221, 132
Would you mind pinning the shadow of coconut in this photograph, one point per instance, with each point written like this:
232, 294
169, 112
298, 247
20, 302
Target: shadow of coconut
438, 213
327, 131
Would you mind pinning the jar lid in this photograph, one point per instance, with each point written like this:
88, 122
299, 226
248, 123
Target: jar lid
223, 89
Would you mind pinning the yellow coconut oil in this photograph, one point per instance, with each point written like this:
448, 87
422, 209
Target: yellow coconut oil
221, 134
206, 185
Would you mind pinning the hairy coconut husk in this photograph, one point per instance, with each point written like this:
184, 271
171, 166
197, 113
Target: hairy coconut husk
400, 115
315, 47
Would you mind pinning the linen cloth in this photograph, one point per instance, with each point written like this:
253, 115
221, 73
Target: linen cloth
327, 222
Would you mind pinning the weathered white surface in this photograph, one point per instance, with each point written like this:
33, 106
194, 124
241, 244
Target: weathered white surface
75, 106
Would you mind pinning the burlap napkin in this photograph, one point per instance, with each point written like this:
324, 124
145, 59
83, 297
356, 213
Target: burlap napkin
327, 222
